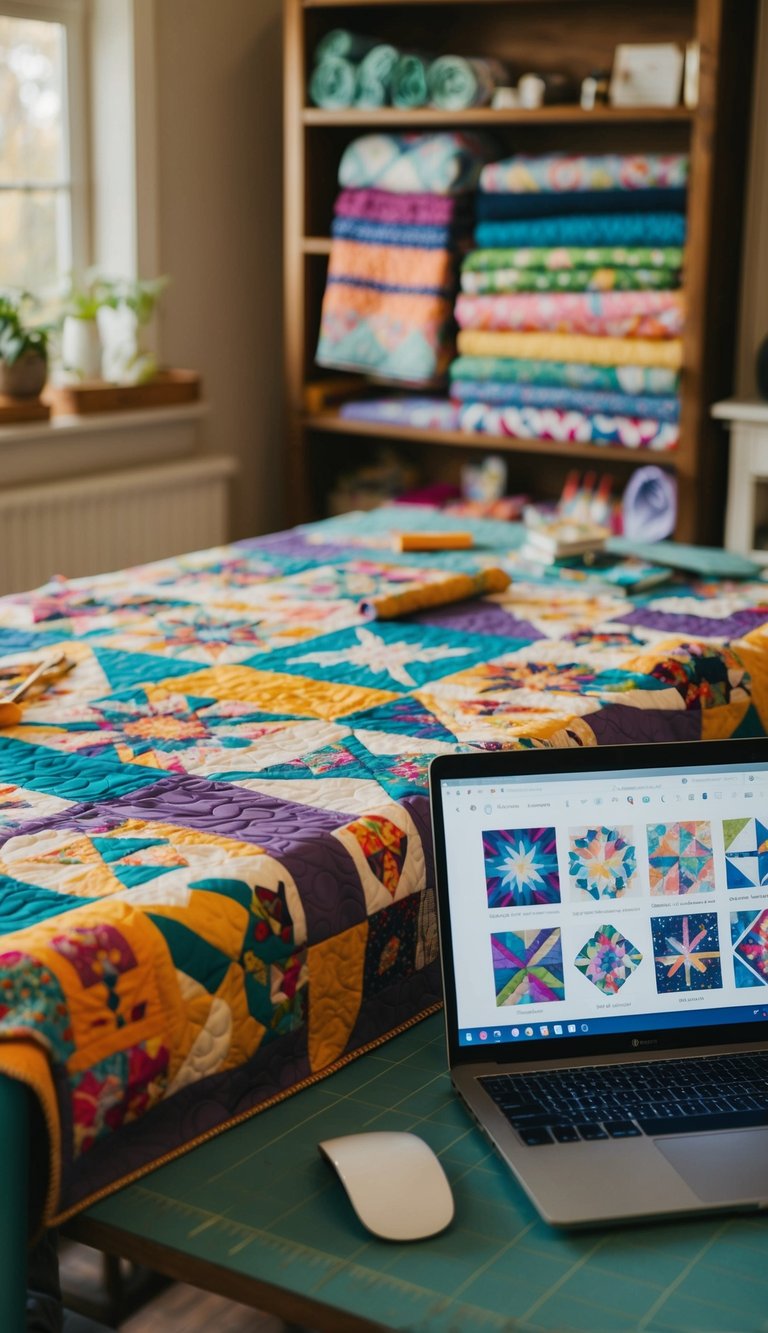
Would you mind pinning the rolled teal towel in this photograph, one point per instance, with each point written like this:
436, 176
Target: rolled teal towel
341, 42
374, 75
409, 82
333, 83
458, 82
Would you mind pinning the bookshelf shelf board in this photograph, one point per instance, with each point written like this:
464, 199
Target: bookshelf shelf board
333, 423
488, 116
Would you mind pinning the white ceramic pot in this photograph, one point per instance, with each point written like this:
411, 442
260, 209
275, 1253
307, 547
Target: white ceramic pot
81, 348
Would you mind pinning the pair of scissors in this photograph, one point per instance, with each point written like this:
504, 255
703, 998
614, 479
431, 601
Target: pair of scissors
10, 712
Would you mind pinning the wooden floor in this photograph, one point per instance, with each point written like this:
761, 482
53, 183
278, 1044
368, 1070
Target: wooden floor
177, 1309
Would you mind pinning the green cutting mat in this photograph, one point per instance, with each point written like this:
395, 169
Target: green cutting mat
260, 1201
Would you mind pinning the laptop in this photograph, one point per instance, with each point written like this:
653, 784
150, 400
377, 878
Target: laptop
603, 919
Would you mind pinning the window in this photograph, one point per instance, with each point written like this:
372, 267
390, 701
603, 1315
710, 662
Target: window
43, 216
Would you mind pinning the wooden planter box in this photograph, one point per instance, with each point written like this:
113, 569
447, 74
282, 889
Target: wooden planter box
168, 389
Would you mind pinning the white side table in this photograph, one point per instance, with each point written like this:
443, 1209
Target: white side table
746, 515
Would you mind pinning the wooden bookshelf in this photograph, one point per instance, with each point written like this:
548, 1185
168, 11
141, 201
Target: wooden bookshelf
574, 36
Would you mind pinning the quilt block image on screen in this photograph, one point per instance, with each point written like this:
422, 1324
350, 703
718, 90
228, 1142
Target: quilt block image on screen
521, 867
608, 959
680, 858
746, 853
687, 952
602, 863
528, 967
749, 936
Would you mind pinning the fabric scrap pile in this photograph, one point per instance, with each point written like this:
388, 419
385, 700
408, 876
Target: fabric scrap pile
571, 313
351, 69
400, 223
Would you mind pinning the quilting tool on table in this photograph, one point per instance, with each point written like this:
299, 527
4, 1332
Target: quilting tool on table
10, 712
432, 541
420, 596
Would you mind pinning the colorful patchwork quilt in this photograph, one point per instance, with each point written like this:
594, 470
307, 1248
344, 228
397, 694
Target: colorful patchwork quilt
215, 867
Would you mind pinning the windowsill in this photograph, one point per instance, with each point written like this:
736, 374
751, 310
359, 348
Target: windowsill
125, 420
72, 446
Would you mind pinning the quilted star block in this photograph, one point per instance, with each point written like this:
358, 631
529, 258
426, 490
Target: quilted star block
680, 858
528, 967
687, 952
521, 867
746, 853
602, 863
749, 936
608, 959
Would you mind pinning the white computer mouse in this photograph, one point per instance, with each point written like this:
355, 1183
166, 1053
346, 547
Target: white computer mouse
395, 1183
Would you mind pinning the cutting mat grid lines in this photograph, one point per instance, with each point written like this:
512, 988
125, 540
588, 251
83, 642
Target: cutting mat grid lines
258, 1201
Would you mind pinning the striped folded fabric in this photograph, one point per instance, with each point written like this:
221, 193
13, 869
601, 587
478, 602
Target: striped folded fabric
533, 423
587, 229
502, 207
560, 257
559, 172
484, 282
635, 379
603, 314
667, 352
500, 394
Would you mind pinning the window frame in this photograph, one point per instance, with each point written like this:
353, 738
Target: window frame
72, 16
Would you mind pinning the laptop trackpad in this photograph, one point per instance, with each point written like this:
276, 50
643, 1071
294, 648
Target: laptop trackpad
722, 1167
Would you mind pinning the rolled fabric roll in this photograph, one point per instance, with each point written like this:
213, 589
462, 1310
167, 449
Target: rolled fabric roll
458, 82
374, 75
408, 83
341, 42
421, 596
333, 83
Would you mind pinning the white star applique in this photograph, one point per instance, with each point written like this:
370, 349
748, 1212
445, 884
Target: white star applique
377, 655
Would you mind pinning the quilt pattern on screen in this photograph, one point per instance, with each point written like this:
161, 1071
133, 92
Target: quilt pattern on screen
608, 959
602, 863
687, 952
528, 967
680, 859
521, 867
749, 936
746, 853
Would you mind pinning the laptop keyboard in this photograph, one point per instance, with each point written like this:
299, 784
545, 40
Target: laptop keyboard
623, 1101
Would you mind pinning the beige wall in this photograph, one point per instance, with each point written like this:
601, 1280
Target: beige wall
220, 229
753, 327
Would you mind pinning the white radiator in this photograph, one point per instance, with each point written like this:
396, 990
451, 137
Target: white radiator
92, 524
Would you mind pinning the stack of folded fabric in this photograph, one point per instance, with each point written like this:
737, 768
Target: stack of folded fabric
571, 312
400, 223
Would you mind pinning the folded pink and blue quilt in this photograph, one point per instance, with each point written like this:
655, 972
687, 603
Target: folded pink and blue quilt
215, 866
601, 314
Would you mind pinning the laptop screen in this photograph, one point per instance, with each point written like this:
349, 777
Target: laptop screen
594, 902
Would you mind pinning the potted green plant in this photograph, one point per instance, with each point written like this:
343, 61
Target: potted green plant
127, 308
80, 339
23, 350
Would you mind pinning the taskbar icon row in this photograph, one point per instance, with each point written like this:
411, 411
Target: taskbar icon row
470, 1036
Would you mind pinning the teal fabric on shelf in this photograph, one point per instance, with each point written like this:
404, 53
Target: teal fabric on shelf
333, 83
586, 229
343, 42
409, 82
374, 75
656, 380
457, 83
